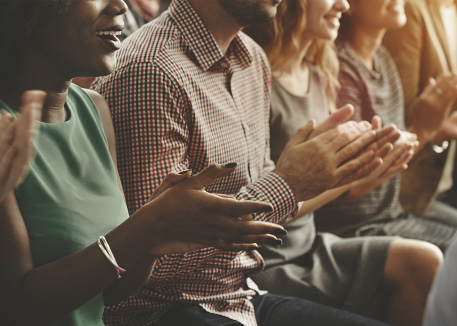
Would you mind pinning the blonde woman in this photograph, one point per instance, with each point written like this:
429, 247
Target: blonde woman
370, 275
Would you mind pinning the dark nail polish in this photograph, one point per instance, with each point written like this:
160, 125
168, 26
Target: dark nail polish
271, 241
231, 165
280, 232
268, 209
184, 171
254, 216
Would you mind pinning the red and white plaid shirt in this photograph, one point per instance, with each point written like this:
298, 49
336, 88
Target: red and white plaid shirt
178, 103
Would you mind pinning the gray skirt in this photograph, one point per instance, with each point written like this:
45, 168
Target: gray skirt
342, 273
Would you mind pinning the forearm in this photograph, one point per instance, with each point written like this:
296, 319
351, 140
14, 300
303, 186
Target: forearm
360, 190
51, 291
314, 204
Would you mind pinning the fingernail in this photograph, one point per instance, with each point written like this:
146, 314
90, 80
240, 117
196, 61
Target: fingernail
280, 232
259, 246
267, 209
184, 171
272, 241
231, 165
254, 216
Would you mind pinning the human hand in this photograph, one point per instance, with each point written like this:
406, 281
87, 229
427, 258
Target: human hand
448, 129
193, 219
434, 104
338, 117
312, 166
384, 136
16, 140
396, 160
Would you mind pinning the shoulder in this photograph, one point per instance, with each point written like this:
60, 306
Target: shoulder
148, 42
349, 70
257, 53
101, 105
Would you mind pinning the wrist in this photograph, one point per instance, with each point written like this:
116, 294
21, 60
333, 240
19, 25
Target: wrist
151, 217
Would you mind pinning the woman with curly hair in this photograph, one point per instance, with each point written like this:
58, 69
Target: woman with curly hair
68, 244
385, 277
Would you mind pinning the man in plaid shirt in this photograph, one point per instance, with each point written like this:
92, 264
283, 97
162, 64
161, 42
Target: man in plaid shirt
190, 89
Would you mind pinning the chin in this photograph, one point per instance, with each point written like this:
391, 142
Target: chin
105, 68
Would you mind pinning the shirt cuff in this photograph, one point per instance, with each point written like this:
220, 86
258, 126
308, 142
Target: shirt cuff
280, 195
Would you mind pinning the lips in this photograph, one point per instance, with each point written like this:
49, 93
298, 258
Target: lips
333, 20
109, 38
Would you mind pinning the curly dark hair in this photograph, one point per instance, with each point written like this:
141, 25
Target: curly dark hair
19, 21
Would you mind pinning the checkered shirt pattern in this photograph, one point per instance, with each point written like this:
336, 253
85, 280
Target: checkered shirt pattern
177, 103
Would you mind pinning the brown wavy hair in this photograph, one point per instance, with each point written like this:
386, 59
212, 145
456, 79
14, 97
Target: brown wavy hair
281, 40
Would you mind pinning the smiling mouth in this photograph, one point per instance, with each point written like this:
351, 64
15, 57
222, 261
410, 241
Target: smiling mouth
109, 35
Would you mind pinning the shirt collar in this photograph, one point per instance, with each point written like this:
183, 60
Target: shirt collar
200, 40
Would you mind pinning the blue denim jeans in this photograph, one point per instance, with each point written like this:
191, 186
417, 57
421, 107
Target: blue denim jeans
270, 310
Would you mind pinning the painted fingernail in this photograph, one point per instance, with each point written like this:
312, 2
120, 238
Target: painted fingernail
272, 241
254, 216
280, 232
184, 171
231, 165
267, 209
258, 246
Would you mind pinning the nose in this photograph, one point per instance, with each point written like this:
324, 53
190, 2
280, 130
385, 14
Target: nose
342, 5
116, 7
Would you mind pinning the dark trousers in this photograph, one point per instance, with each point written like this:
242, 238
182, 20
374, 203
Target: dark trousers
270, 310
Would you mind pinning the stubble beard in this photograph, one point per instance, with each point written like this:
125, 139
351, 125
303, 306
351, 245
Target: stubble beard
248, 12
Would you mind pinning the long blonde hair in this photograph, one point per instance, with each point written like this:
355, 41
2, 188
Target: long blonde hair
281, 40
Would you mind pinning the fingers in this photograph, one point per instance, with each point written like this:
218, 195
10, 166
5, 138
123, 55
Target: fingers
384, 150
392, 171
388, 134
32, 101
6, 133
247, 217
443, 90
376, 122
233, 207
210, 174
356, 146
303, 133
170, 180
24, 131
340, 116
357, 168
344, 134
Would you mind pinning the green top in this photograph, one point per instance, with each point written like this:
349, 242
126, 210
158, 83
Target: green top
70, 195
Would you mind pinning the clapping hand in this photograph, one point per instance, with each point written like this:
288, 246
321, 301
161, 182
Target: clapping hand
16, 140
333, 154
195, 219
395, 160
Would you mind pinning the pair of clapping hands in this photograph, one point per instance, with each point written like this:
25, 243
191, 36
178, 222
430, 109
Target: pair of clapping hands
335, 153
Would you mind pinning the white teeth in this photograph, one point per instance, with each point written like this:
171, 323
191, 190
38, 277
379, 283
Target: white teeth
108, 33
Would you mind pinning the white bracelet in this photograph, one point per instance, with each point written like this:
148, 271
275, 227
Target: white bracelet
105, 248
436, 149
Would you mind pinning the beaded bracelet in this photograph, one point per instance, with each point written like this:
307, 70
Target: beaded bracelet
105, 248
